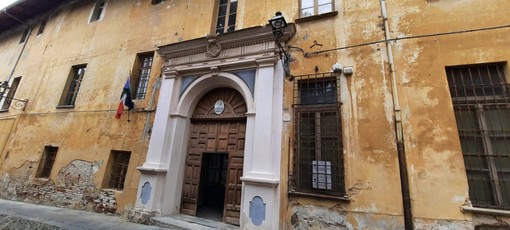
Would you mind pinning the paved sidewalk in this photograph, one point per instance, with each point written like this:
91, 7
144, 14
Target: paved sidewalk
20, 214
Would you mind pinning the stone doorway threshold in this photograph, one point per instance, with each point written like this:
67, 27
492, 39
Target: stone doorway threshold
180, 221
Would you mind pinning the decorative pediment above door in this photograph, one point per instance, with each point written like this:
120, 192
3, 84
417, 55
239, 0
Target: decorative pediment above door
220, 52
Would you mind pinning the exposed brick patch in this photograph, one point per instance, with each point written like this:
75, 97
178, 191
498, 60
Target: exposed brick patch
73, 188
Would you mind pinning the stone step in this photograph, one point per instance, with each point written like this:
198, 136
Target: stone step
184, 222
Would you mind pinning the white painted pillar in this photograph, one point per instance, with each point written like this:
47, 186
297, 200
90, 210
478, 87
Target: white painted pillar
261, 175
261, 157
155, 166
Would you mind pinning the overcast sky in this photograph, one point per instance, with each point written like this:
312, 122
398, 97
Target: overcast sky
4, 3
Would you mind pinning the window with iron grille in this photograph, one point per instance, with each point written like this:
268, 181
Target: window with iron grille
117, 169
315, 7
46, 162
140, 81
481, 101
72, 86
226, 20
11, 93
318, 154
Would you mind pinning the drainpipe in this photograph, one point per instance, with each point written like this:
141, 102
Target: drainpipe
402, 163
24, 44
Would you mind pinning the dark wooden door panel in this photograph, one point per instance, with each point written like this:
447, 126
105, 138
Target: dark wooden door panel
215, 137
233, 187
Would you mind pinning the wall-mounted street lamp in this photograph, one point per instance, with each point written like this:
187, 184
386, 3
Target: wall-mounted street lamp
19, 104
278, 24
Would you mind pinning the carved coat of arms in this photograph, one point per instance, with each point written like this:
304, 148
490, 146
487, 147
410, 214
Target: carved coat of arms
213, 46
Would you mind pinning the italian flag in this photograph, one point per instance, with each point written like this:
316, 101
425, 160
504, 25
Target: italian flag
125, 99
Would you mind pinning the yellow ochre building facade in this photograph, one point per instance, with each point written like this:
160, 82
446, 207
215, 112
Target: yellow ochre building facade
376, 114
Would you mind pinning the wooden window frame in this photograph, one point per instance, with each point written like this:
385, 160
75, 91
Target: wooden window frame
309, 182
46, 162
142, 74
227, 17
76, 74
474, 109
315, 9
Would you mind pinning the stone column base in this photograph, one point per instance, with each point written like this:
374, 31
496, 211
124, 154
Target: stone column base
141, 216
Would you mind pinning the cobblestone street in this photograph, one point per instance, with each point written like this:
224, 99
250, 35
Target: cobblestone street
15, 223
20, 216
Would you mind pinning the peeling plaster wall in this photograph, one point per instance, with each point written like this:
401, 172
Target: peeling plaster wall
87, 133
437, 175
73, 188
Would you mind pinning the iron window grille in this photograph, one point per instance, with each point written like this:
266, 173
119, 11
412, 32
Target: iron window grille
118, 167
141, 80
481, 102
72, 86
227, 13
318, 166
46, 162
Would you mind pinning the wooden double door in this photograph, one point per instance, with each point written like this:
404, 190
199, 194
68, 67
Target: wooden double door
223, 141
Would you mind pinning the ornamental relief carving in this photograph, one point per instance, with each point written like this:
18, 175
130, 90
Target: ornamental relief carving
232, 103
213, 46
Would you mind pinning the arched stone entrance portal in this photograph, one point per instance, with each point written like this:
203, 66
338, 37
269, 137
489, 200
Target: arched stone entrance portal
215, 156
248, 64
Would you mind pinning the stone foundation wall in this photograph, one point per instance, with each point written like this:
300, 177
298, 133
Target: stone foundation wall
74, 187
320, 217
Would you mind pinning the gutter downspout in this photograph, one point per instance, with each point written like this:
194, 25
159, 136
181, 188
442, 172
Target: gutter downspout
24, 44
402, 162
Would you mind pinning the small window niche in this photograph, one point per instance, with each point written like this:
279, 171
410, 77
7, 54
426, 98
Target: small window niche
46, 162
98, 11
25, 35
116, 170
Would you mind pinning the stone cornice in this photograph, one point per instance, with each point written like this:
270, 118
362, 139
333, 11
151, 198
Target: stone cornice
244, 37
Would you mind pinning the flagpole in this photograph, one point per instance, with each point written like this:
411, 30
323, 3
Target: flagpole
129, 79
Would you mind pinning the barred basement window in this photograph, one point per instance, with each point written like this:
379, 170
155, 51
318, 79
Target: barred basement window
117, 169
46, 162
318, 159
481, 101
72, 86
140, 81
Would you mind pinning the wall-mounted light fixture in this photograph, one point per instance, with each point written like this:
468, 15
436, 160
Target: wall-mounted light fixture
278, 24
19, 103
